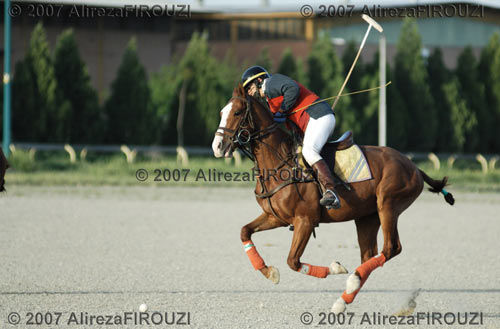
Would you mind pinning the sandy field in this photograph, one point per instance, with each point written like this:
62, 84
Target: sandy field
80, 254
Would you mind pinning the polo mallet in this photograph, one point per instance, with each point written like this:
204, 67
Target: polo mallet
371, 22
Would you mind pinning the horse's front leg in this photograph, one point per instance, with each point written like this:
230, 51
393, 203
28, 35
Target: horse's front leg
301, 234
262, 223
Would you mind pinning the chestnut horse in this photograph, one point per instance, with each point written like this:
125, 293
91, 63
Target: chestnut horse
378, 202
3, 168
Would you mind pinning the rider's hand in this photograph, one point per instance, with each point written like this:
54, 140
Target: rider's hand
252, 91
279, 117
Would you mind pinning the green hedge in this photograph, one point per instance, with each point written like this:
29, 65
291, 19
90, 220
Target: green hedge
429, 107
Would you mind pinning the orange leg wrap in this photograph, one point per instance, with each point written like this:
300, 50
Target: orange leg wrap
253, 255
364, 271
317, 271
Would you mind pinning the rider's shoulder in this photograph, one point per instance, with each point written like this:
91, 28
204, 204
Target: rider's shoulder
278, 76
279, 79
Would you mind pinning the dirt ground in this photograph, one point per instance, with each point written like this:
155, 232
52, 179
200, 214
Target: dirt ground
86, 252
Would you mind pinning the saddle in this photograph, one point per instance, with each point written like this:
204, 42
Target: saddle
330, 149
344, 142
345, 159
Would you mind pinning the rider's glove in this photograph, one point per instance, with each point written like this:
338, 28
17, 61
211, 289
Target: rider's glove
279, 117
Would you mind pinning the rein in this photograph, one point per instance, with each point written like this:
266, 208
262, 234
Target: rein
242, 139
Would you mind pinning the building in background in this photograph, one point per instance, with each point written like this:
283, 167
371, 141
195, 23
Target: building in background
244, 30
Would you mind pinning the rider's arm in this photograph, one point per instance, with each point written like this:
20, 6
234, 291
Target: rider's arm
281, 85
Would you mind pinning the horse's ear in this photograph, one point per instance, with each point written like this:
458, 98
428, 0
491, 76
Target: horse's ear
241, 90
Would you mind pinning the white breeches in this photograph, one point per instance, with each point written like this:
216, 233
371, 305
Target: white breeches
318, 131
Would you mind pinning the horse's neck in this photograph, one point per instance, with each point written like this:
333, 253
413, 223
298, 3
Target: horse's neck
272, 149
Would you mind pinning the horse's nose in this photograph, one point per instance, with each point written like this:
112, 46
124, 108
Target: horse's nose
217, 146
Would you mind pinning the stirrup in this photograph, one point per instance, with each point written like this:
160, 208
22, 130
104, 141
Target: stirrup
333, 204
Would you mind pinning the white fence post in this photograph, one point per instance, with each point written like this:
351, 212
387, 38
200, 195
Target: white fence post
236, 157
451, 161
83, 154
32, 153
182, 156
493, 162
435, 160
71, 152
130, 155
484, 164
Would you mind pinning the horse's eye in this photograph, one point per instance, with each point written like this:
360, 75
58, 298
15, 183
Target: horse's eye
237, 113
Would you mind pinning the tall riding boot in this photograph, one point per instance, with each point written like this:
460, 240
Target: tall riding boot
330, 198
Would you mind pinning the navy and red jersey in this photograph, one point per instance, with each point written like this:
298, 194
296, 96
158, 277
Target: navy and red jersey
285, 95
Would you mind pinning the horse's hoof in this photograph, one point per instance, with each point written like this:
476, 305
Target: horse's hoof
339, 306
337, 268
353, 283
274, 275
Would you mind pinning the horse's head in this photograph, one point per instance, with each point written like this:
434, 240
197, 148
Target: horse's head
241, 118
3, 168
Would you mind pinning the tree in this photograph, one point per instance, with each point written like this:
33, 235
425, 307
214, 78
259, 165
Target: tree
472, 91
23, 103
128, 109
398, 118
208, 85
35, 110
301, 72
164, 86
489, 71
264, 60
463, 120
411, 80
82, 121
288, 66
368, 113
325, 79
438, 77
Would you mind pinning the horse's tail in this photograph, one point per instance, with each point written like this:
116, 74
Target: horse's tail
438, 186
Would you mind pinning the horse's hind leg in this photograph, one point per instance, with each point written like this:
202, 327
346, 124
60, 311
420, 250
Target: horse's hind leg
367, 228
262, 223
392, 247
301, 234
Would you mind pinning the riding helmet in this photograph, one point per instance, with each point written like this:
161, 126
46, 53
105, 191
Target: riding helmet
252, 73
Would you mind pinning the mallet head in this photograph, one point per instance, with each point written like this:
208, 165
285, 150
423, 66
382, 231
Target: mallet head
372, 22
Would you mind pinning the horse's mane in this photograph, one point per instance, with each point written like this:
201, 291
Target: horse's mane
286, 138
239, 91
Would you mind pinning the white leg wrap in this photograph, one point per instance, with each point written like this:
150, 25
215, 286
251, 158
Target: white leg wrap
274, 275
353, 283
338, 306
337, 268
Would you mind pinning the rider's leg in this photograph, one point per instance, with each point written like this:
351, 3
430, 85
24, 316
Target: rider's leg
316, 135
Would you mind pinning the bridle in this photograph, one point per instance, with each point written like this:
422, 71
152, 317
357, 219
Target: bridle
241, 137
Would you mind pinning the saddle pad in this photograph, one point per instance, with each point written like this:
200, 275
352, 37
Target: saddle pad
351, 165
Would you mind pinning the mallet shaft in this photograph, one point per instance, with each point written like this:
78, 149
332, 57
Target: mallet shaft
352, 66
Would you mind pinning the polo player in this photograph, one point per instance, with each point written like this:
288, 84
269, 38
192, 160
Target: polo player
289, 100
